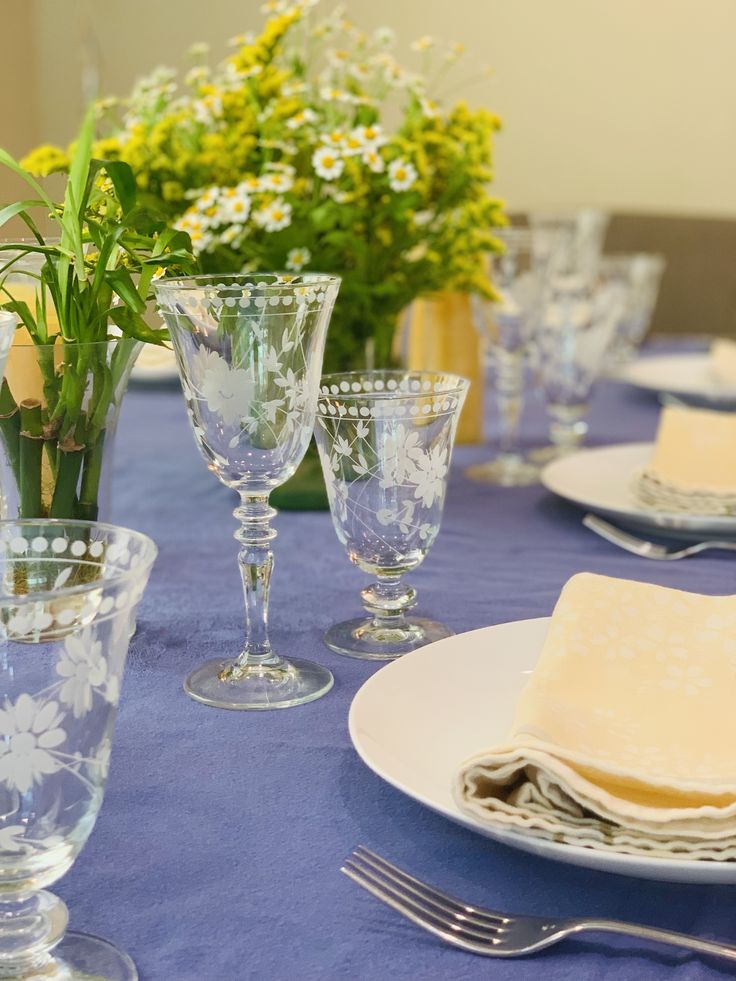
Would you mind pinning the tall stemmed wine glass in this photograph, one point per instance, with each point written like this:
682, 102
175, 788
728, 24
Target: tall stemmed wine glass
249, 350
506, 326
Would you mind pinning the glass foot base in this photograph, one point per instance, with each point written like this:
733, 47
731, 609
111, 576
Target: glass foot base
545, 454
84, 957
365, 638
502, 474
293, 682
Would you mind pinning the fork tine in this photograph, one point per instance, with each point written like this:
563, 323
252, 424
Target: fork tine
431, 913
420, 919
448, 903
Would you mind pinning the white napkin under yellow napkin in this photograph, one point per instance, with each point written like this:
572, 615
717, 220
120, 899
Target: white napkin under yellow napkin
693, 467
624, 737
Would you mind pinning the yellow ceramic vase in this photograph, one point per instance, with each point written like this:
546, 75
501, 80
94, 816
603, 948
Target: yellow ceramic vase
441, 337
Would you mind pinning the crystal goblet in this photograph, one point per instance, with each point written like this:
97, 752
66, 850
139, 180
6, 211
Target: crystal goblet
638, 274
385, 440
249, 350
506, 325
68, 594
575, 333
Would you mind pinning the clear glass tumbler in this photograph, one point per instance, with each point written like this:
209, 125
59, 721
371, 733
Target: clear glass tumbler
385, 439
68, 594
249, 350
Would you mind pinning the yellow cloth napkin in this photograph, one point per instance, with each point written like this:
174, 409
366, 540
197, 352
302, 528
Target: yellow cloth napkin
624, 737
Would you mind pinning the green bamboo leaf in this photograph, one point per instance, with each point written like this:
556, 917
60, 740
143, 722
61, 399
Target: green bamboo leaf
123, 180
21, 308
11, 210
122, 283
133, 325
8, 161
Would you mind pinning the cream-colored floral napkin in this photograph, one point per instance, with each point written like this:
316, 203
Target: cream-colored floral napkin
624, 737
693, 467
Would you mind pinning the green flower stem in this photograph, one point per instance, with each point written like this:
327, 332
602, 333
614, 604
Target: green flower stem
92, 469
30, 453
10, 428
64, 500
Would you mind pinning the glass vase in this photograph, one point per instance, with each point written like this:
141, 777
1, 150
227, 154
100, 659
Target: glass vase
59, 406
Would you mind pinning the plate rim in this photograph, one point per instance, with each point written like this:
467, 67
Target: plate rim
670, 520
718, 394
651, 868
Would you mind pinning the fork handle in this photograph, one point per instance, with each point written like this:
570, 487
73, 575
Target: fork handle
652, 933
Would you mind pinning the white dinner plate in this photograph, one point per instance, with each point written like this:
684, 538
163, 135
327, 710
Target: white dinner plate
601, 480
686, 375
418, 719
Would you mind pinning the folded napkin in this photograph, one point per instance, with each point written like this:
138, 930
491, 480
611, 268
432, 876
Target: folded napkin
693, 467
723, 361
624, 737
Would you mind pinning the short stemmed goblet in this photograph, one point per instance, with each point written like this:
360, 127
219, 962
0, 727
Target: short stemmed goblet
68, 594
506, 326
638, 276
575, 333
385, 439
249, 350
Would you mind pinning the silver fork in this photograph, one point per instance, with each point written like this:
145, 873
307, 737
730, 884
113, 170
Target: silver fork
485, 931
644, 548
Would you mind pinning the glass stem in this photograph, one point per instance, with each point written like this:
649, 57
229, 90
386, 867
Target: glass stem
30, 926
387, 600
567, 426
256, 563
509, 399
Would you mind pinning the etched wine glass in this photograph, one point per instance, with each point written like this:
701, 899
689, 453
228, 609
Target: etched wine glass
385, 439
249, 350
68, 595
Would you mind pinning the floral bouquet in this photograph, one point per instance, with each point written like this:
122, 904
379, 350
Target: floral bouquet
311, 148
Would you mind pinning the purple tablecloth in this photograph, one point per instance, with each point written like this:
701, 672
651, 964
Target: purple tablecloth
217, 851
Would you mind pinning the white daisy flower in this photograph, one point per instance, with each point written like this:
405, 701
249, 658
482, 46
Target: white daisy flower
277, 181
273, 7
384, 37
401, 175
430, 109
282, 168
424, 43
199, 50
196, 75
241, 40
231, 234
327, 163
293, 88
374, 160
335, 139
274, 216
370, 136
422, 218
332, 94
297, 259
361, 72
300, 118
207, 110
233, 210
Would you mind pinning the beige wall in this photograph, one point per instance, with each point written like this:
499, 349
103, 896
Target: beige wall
19, 109
628, 104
